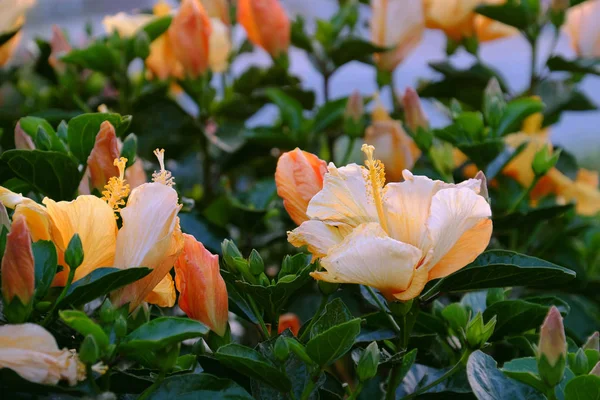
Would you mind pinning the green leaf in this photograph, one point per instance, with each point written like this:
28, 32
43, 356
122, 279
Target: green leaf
157, 27
198, 386
489, 383
559, 96
524, 370
510, 13
482, 153
515, 113
354, 49
160, 333
45, 258
98, 57
80, 322
585, 387
529, 218
51, 173
578, 65
335, 313
299, 37
251, 363
515, 317
500, 268
99, 282
330, 114
332, 344
31, 126
83, 129
289, 107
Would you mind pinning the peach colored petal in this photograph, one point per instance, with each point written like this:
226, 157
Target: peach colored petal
583, 28
218, 9
18, 264
219, 46
266, 24
417, 284
135, 175
369, 257
101, 159
203, 294
298, 177
163, 294
37, 218
318, 236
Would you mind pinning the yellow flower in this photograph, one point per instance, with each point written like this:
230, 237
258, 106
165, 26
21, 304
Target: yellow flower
458, 20
12, 18
396, 24
32, 352
583, 28
394, 237
150, 236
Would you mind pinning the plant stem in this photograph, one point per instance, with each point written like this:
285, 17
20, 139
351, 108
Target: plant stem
533, 76
349, 149
460, 364
523, 195
393, 382
310, 386
550, 394
324, 299
264, 330
62, 295
326, 87
356, 391
395, 105
393, 322
90, 377
153, 387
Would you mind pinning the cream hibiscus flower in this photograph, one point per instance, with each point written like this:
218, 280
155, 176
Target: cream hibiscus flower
395, 237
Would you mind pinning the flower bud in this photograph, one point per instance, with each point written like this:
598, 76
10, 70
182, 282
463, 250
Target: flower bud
107, 312
74, 253
101, 159
298, 177
18, 276
355, 108
42, 139
219, 46
578, 362
327, 288
22, 140
266, 24
202, 290
368, 362
395, 148
592, 343
596, 369
552, 348
413, 112
493, 103
120, 326
289, 321
89, 351
544, 160
189, 34
59, 46
478, 333
218, 9
230, 252
281, 350
257, 265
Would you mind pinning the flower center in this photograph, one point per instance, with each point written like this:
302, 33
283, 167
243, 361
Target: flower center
376, 181
116, 189
163, 176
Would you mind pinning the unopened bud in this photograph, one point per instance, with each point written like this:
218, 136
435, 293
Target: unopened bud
552, 348
544, 161
368, 362
478, 333
74, 254
596, 369
257, 266
327, 288
22, 140
494, 103
120, 326
592, 343
281, 350
42, 139
413, 112
355, 107
578, 363
89, 351
107, 312
230, 251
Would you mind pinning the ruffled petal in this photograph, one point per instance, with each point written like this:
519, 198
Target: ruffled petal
344, 198
317, 236
455, 211
369, 257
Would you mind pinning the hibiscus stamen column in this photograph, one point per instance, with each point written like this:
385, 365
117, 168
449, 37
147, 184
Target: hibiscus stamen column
376, 179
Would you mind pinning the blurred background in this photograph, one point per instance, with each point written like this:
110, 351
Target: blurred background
577, 132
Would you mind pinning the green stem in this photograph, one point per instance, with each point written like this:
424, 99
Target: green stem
394, 381
261, 322
457, 367
349, 149
393, 322
153, 387
310, 386
356, 391
395, 104
523, 195
306, 331
90, 377
532, 76
62, 295
551, 394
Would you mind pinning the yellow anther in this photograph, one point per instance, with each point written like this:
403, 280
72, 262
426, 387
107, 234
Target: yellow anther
116, 189
376, 179
163, 176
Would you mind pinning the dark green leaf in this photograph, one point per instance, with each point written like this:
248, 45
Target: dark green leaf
157, 27
44, 255
98, 57
578, 65
500, 268
489, 383
198, 386
515, 317
160, 333
585, 387
330, 114
80, 322
99, 282
299, 37
510, 13
250, 362
524, 370
335, 313
31, 126
332, 344
51, 173
289, 107
83, 129
530, 217
354, 49
515, 113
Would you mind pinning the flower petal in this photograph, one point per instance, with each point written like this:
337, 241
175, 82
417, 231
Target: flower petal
163, 294
369, 257
454, 211
318, 236
416, 286
344, 198
94, 221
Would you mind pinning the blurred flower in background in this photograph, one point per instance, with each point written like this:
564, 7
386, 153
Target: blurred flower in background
12, 18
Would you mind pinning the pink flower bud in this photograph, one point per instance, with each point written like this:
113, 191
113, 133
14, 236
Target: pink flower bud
22, 140
553, 343
414, 115
355, 107
17, 264
592, 343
